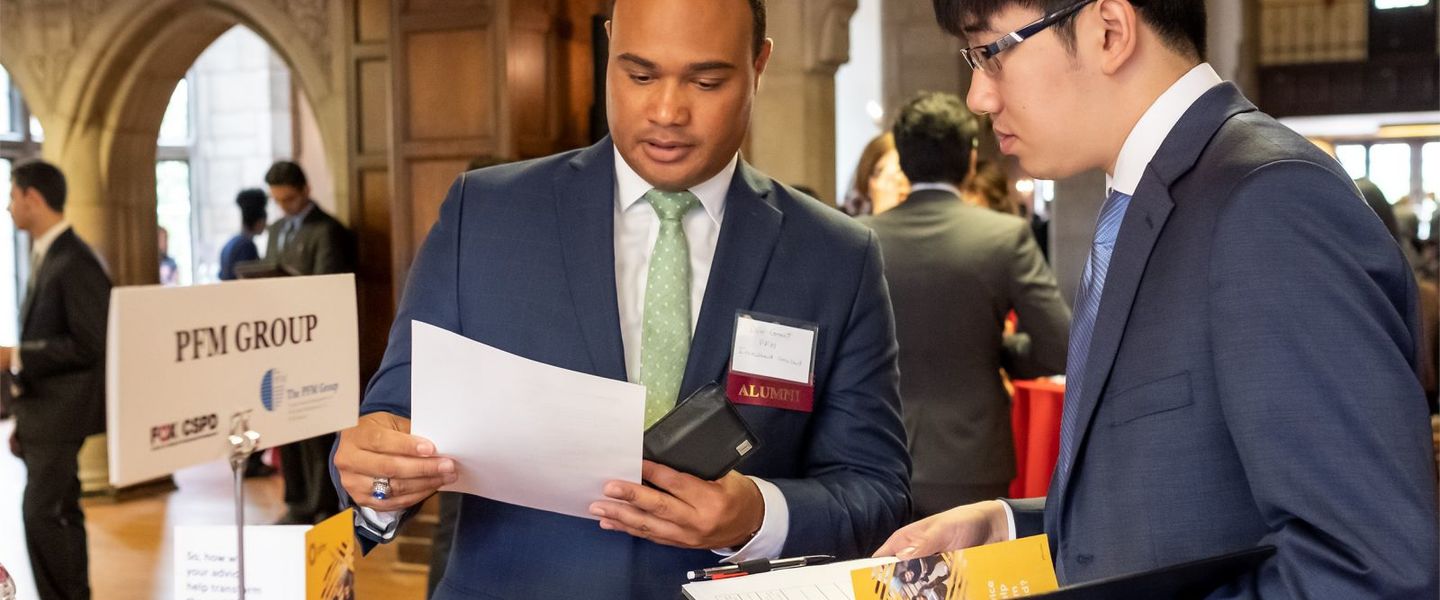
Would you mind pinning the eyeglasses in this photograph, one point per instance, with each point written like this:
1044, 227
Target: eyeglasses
982, 58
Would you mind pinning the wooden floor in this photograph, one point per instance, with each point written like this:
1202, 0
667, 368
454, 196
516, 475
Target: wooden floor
131, 542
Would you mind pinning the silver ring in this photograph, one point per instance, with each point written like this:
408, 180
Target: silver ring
380, 490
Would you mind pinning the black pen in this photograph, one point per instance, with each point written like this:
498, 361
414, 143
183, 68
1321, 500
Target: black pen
751, 567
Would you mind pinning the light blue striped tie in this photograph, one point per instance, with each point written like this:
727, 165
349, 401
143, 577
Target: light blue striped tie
1082, 329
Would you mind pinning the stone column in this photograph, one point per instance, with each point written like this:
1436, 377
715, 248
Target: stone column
919, 55
792, 133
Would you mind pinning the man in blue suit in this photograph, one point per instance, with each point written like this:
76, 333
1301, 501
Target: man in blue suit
1242, 368
583, 261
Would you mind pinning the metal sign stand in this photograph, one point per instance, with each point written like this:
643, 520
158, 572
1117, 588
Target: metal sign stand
243, 442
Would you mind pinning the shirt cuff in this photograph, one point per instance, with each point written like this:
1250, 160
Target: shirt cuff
774, 529
381, 525
1009, 519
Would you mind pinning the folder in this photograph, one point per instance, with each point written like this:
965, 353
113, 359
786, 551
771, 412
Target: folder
1184, 581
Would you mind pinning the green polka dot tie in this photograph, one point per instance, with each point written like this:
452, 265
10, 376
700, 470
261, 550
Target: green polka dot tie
665, 334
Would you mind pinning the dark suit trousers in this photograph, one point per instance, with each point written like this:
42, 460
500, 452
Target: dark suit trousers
305, 465
935, 499
54, 525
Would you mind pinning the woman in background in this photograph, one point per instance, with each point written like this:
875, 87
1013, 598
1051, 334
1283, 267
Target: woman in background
241, 248
878, 184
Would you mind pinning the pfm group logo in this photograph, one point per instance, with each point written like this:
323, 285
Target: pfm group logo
272, 389
298, 398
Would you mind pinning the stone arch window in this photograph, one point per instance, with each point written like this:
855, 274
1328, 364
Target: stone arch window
20, 138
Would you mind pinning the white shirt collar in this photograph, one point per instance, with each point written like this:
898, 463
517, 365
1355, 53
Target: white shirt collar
299, 217
631, 187
1155, 125
42, 244
931, 186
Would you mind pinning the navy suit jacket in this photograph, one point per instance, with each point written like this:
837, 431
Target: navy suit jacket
1252, 378
522, 258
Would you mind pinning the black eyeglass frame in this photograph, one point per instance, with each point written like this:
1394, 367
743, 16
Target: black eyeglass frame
978, 57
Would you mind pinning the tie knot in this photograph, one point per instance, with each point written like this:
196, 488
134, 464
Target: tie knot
1112, 213
671, 206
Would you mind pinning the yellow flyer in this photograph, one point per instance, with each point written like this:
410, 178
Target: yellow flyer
330, 551
1014, 569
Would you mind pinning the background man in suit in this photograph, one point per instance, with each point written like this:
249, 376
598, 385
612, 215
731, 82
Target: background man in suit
552, 260
307, 241
59, 372
955, 272
1242, 364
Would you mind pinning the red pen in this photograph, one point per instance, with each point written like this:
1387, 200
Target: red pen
752, 567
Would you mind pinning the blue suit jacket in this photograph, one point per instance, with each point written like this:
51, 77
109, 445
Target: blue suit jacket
1252, 378
522, 258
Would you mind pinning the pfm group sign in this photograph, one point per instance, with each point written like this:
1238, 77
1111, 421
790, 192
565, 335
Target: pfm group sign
184, 364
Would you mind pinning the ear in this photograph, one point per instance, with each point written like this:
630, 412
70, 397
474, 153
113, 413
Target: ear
763, 59
1120, 26
608, 34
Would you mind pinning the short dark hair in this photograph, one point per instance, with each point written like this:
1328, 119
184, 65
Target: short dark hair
286, 173
252, 206
42, 177
1179, 23
757, 13
934, 135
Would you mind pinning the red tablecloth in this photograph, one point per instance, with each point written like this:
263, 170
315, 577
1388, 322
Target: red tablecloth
1035, 417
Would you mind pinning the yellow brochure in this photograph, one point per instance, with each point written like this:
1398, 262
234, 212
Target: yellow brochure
330, 551
1012, 569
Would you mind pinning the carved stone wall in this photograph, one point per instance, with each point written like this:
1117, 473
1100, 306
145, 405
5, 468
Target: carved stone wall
792, 134
97, 74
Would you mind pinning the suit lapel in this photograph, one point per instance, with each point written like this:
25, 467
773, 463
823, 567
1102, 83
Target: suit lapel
1149, 209
747, 239
1144, 220
57, 248
585, 208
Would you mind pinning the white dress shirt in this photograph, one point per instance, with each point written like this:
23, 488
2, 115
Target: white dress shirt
927, 186
38, 250
1145, 140
636, 229
1155, 125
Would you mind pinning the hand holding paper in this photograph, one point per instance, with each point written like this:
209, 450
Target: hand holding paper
381, 446
521, 431
686, 512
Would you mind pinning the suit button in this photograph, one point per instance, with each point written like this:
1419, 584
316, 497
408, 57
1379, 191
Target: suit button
1083, 559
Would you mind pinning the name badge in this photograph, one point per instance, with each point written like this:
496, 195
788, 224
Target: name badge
772, 362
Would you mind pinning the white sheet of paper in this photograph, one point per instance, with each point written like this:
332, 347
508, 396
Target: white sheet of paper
520, 431
205, 567
823, 582
773, 350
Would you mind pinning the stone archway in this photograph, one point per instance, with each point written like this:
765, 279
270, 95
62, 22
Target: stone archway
99, 74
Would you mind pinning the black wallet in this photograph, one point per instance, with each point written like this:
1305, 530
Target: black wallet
703, 436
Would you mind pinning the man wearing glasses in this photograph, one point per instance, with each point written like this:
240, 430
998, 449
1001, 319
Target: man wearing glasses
1242, 359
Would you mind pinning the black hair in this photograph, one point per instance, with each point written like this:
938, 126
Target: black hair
758, 24
934, 135
1179, 23
252, 207
286, 173
42, 177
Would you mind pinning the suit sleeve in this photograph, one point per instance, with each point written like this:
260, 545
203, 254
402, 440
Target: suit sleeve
856, 489
1314, 345
332, 253
1029, 515
1039, 348
431, 296
85, 291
